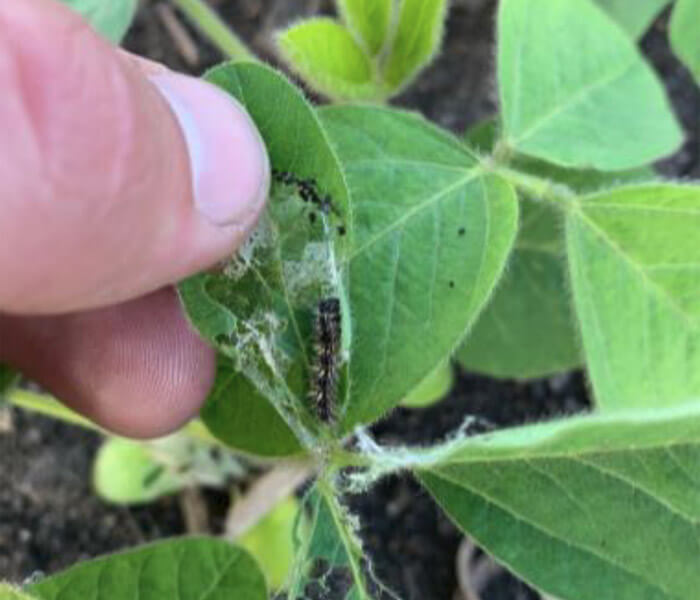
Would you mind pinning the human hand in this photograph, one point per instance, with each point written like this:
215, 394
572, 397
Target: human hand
118, 178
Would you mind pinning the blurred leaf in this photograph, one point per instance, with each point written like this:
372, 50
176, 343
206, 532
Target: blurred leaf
8, 379
587, 508
138, 472
327, 57
416, 41
432, 389
635, 258
8, 592
634, 16
186, 569
432, 233
575, 90
125, 472
685, 34
111, 18
271, 542
369, 18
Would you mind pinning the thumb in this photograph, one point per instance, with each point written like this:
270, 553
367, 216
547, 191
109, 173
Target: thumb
112, 184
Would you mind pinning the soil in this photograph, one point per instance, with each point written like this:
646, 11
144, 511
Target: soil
49, 517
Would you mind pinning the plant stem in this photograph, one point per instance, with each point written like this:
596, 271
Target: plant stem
339, 515
46, 405
341, 459
537, 187
211, 25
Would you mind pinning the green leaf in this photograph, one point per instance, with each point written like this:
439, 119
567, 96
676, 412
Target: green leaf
482, 136
685, 39
259, 309
328, 549
432, 389
431, 236
329, 59
111, 18
186, 569
237, 414
130, 472
370, 19
531, 301
635, 259
8, 592
634, 16
214, 321
8, 379
271, 542
575, 90
588, 508
126, 472
528, 329
416, 41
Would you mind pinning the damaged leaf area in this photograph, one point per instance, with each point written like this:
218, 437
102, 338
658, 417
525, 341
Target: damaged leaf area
381, 215
259, 309
375, 208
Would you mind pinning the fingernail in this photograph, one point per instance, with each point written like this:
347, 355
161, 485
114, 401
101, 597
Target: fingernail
228, 159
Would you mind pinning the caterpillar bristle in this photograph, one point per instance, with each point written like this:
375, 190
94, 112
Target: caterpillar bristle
324, 372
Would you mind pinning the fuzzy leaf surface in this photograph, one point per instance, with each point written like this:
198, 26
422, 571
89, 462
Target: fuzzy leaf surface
528, 328
111, 18
588, 508
634, 257
685, 37
125, 472
416, 41
369, 18
259, 309
634, 16
329, 58
575, 90
187, 569
432, 232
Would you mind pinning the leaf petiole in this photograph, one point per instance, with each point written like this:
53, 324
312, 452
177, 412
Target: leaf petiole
537, 188
218, 32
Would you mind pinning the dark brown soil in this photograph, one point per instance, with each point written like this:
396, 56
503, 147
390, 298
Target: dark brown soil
49, 516
50, 519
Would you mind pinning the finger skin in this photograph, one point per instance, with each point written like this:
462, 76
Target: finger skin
96, 189
137, 369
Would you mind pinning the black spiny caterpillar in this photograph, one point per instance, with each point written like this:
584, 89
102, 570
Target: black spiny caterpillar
324, 371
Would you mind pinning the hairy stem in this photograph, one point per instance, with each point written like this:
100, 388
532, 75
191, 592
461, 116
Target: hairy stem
350, 544
538, 188
211, 25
